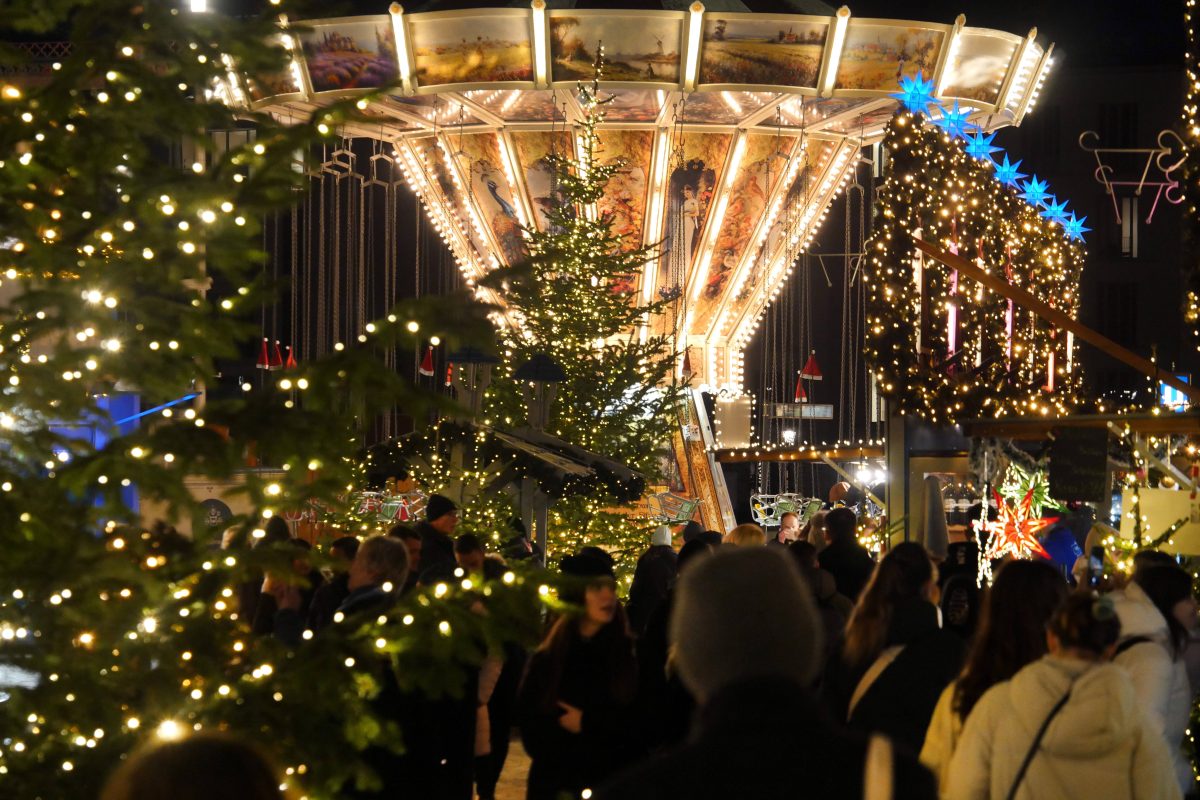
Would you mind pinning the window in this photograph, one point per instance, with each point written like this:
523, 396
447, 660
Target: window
1129, 227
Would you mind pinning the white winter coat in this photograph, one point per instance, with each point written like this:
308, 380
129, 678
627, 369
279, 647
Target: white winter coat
1160, 681
1100, 746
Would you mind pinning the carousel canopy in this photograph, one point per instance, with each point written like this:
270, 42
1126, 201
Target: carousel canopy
734, 130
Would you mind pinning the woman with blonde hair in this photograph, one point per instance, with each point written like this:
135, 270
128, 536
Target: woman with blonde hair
199, 767
896, 659
746, 535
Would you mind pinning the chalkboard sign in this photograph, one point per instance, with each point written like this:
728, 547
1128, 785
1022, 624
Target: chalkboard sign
1079, 465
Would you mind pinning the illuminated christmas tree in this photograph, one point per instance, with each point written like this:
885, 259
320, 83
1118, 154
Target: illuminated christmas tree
126, 276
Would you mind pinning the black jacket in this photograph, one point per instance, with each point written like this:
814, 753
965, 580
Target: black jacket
326, 600
437, 554
850, 565
764, 739
568, 762
900, 702
651, 580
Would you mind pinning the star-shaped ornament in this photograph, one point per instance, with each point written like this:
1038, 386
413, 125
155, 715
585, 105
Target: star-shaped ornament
1035, 191
1014, 531
954, 121
1075, 228
1056, 212
916, 94
980, 147
1007, 173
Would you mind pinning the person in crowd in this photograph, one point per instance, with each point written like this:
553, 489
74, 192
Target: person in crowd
472, 558
691, 530
789, 530
896, 659
747, 643
519, 547
814, 530
746, 535
437, 546
833, 608
333, 592
665, 706
652, 578
202, 766
959, 585
412, 541
309, 580
1157, 611
1011, 635
1067, 725
843, 557
575, 704
712, 538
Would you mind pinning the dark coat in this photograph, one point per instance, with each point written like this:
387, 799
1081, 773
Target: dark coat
437, 554
765, 739
664, 705
900, 702
326, 600
850, 565
568, 762
652, 579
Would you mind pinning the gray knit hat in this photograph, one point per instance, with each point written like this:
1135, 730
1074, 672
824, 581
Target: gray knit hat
744, 612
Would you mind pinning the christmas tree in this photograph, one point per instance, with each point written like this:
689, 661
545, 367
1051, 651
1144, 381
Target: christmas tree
128, 275
574, 301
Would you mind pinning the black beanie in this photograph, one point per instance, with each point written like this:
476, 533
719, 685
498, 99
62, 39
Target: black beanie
438, 506
588, 563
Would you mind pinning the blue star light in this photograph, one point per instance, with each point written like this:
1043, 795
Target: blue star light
1056, 212
915, 93
954, 121
1035, 191
1075, 228
1007, 173
980, 147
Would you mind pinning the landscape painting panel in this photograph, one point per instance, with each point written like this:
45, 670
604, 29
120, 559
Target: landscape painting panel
768, 51
878, 56
624, 198
479, 163
763, 165
635, 49
533, 150
979, 67
632, 105
690, 191
354, 55
471, 49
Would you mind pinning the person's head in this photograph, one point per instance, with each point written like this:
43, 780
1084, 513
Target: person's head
690, 552
412, 541
689, 192
1012, 628
1144, 559
344, 548
661, 537
840, 524
441, 513
692, 530
380, 560
1084, 627
814, 530
789, 527
592, 586
1169, 587
200, 767
744, 613
276, 531
804, 554
905, 575
712, 538
746, 535
469, 553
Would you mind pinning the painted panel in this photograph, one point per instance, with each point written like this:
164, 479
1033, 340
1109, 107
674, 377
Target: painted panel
479, 162
689, 197
723, 108
533, 149
451, 199
625, 197
471, 48
801, 112
438, 111
763, 165
978, 67
636, 48
765, 51
269, 84
878, 56
518, 105
350, 55
632, 105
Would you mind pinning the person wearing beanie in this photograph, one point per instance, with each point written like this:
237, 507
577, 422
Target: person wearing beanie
843, 557
747, 644
437, 546
653, 576
574, 706
692, 530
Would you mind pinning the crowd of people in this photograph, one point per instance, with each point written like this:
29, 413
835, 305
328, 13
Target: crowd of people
744, 666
